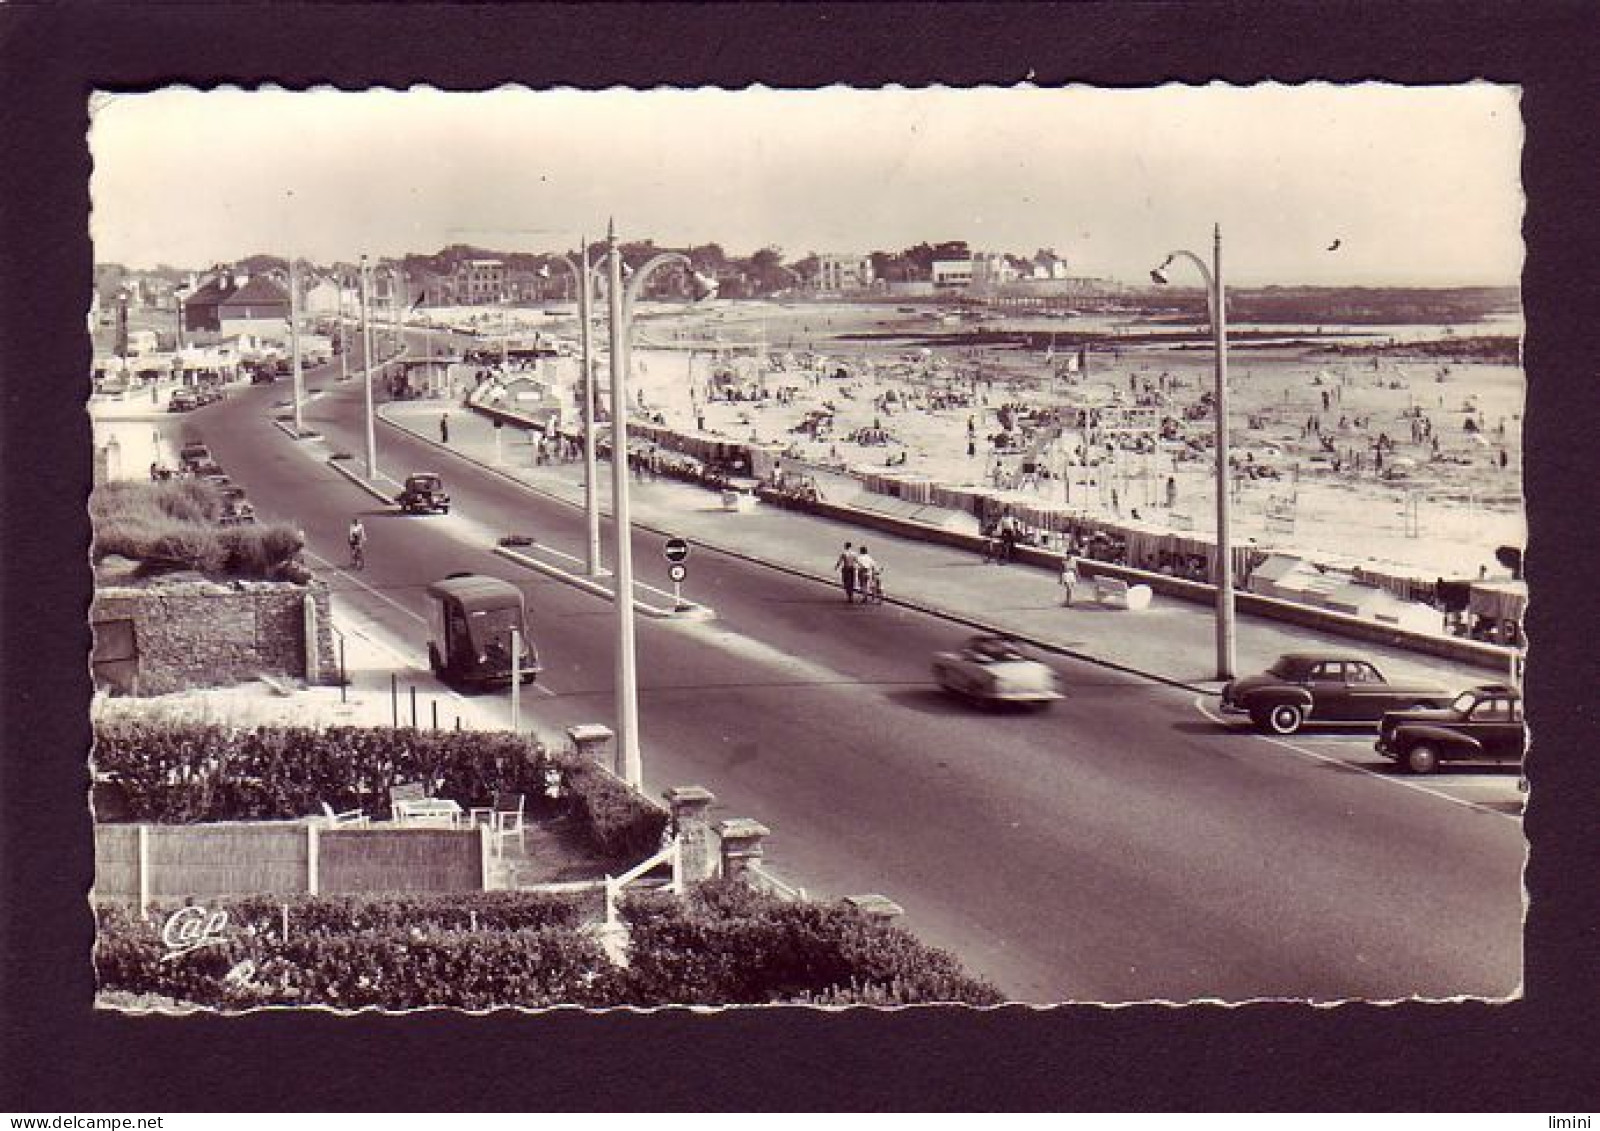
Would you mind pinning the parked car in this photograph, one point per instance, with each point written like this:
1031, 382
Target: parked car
1321, 687
424, 494
196, 459
236, 509
1484, 724
183, 400
995, 669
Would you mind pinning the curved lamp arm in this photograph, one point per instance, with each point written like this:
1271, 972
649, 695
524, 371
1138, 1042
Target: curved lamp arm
1205, 273
636, 284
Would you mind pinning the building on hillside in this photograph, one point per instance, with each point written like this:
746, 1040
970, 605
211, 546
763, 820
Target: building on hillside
992, 269
952, 273
1046, 264
847, 272
321, 299
228, 305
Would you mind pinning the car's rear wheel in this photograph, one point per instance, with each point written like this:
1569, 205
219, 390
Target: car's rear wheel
1285, 718
1422, 759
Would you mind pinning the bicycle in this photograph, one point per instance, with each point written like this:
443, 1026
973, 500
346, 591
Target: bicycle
358, 556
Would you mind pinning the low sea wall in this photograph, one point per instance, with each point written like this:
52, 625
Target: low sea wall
1487, 656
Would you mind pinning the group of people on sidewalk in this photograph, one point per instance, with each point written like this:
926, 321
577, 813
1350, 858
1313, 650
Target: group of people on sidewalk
859, 573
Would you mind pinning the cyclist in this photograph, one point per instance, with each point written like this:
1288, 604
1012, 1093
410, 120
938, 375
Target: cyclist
869, 577
358, 543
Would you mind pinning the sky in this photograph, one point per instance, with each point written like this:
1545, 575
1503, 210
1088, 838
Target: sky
1419, 185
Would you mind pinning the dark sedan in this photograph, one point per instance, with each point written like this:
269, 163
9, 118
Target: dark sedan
1484, 724
1318, 687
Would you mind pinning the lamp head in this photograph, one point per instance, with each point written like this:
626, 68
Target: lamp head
702, 286
1159, 275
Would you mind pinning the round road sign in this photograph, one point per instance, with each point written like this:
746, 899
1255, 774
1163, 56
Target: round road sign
676, 550
677, 572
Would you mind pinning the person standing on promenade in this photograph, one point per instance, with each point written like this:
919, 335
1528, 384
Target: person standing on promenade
1069, 578
444, 428
846, 565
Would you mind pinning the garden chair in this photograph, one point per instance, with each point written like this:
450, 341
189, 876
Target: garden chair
349, 819
508, 818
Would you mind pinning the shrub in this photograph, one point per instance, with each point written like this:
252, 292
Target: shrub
623, 825
182, 772
176, 521
187, 772
730, 944
178, 500
390, 965
259, 550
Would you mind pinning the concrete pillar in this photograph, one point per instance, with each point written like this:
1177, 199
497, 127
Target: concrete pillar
689, 804
313, 664
591, 740
879, 908
741, 845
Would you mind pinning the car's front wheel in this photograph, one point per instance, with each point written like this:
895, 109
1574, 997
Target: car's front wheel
1422, 759
1284, 718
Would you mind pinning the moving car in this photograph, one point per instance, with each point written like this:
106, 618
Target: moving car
471, 619
1322, 687
995, 669
1484, 724
424, 494
183, 400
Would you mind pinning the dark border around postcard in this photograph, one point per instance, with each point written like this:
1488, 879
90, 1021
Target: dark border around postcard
59, 1055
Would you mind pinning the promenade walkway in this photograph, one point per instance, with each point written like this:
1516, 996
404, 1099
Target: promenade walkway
1173, 640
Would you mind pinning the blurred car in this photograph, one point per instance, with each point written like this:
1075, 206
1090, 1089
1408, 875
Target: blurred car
1322, 687
995, 669
196, 458
236, 509
1484, 724
424, 493
183, 400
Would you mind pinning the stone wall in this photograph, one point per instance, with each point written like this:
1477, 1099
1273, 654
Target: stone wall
205, 634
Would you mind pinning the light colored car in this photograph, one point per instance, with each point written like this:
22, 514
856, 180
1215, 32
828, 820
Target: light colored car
995, 669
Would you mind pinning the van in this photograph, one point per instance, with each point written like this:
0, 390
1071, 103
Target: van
470, 621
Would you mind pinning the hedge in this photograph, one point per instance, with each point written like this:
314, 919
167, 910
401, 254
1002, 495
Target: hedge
728, 944
389, 966
184, 773
724, 945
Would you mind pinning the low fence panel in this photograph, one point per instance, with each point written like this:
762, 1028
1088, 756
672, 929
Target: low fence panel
208, 860
361, 861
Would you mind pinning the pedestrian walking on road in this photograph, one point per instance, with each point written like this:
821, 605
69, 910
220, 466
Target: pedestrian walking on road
846, 565
444, 428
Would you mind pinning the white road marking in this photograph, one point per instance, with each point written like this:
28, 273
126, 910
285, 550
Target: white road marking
352, 577
1199, 702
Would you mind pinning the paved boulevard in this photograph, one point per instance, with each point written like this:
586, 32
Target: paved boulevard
1120, 847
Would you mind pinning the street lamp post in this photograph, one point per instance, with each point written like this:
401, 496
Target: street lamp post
627, 673
621, 310
294, 349
591, 489
1216, 300
366, 367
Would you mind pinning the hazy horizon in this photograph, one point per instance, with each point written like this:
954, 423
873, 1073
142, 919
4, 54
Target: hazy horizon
1419, 186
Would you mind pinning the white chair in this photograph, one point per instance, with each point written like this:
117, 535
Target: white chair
508, 819
349, 819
